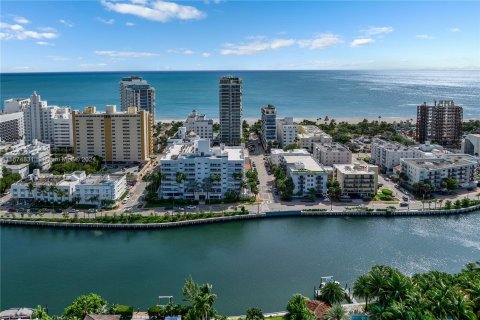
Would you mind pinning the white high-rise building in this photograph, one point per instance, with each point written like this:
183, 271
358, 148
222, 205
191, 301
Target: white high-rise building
137, 92
230, 104
48, 124
471, 144
15, 105
286, 132
269, 125
198, 123
194, 170
12, 127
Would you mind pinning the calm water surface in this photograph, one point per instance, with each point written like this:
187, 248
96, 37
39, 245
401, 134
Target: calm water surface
254, 263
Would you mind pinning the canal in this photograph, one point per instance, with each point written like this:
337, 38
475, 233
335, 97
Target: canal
252, 263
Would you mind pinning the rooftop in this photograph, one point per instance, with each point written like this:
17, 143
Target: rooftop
16, 313
302, 163
389, 145
355, 168
183, 150
102, 317
292, 152
101, 178
446, 161
330, 146
310, 131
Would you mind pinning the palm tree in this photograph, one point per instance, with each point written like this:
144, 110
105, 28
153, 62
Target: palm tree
204, 301
42, 189
336, 312
332, 293
31, 187
360, 289
61, 193
297, 309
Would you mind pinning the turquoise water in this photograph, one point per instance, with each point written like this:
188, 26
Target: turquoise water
301, 94
254, 263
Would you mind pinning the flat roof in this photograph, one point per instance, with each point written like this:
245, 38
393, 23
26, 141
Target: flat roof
446, 161
354, 168
302, 162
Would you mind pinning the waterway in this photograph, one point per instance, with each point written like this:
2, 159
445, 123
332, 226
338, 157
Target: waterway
251, 263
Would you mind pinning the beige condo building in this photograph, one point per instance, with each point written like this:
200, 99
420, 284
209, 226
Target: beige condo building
115, 136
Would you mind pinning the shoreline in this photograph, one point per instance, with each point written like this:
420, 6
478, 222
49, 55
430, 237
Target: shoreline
28, 222
350, 120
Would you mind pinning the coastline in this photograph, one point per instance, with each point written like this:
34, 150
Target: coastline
339, 119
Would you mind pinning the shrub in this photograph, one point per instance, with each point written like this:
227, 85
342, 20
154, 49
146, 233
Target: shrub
387, 192
156, 312
125, 312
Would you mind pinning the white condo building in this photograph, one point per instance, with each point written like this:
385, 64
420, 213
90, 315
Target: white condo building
99, 190
276, 155
460, 167
360, 180
194, 170
387, 154
286, 132
331, 153
198, 123
308, 135
38, 153
12, 127
48, 124
306, 174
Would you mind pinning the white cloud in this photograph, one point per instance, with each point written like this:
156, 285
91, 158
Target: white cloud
377, 31
129, 24
424, 36
21, 20
155, 10
58, 58
324, 40
47, 29
126, 54
255, 46
18, 32
66, 23
206, 54
105, 21
45, 43
361, 42
187, 52
455, 30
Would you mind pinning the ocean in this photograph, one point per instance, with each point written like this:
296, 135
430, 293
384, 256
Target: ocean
299, 94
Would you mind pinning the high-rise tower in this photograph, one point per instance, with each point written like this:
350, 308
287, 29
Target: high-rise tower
136, 92
230, 103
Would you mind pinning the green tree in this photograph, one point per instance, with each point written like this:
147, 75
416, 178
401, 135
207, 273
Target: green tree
312, 193
254, 314
332, 293
336, 312
83, 305
361, 289
40, 313
201, 299
297, 309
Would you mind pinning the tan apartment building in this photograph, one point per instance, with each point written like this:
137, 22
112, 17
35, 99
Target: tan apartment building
115, 136
354, 179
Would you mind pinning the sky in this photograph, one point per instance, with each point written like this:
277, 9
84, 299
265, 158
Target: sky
123, 35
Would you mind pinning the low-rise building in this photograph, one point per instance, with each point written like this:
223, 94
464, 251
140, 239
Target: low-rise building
471, 144
276, 155
286, 132
194, 170
460, 167
98, 189
331, 153
306, 174
22, 169
16, 314
357, 180
387, 154
12, 126
47, 188
428, 150
198, 123
38, 153
308, 135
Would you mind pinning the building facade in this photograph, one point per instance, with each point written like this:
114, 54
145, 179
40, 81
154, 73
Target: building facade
440, 123
136, 92
460, 167
198, 123
194, 170
471, 144
230, 113
387, 154
286, 132
15, 105
331, 153
308, 135
357, 180
12, 127
114, 136
269, 125
100, 189
306, 174
37, 153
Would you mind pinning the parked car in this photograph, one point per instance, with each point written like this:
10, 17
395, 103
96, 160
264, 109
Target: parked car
191, 207
12, 210
73, 211
404, 204
58, 210
405, 198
